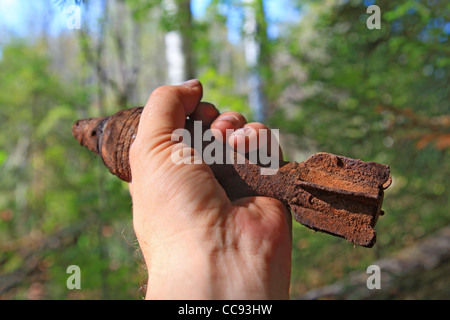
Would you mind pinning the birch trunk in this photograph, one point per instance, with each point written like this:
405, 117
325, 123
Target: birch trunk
178, 42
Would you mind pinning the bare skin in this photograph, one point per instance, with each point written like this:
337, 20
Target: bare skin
196, 243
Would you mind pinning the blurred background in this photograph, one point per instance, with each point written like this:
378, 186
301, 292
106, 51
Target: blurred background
312, 69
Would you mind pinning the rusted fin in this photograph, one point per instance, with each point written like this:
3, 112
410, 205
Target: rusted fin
344, 173
353, 227
341, 196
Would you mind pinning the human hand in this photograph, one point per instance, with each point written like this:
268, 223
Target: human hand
196, 243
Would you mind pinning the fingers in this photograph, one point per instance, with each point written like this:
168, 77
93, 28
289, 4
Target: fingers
228, 121
205, 112
245, 137
248, 137
234, 129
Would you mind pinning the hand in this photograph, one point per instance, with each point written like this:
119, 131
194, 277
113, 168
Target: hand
196, 243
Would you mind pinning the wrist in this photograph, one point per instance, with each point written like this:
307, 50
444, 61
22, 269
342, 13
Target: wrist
219, 277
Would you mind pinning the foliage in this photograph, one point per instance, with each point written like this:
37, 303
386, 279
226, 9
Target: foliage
53, 210
374, 94
330, 82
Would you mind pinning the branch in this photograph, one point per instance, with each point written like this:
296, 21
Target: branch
424, 255
437, 128
30, 247
95, 60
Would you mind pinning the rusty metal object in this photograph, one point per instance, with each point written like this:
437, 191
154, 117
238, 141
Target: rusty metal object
327, 193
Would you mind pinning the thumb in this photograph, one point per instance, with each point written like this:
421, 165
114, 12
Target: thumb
157, 180
165, 111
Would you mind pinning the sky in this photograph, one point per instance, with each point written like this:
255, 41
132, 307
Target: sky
276, 11
14, 15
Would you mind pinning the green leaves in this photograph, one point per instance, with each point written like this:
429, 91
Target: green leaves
352, 74
331, 85
49, 190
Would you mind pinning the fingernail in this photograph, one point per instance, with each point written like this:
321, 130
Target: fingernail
191, 83
229, 118
241, 131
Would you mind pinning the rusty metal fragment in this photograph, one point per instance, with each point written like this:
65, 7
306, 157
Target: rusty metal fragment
328, 193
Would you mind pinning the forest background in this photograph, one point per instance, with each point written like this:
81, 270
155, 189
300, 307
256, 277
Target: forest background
312, 69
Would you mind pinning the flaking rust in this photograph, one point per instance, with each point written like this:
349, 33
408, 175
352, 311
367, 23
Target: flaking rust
328, 193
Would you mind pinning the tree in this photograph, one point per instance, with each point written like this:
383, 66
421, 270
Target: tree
255, 36
380, 95
178, 40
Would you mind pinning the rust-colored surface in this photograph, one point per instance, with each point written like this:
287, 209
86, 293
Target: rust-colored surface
110, 138
327, 193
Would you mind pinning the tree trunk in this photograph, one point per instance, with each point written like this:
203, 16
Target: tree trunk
178, 41
256, 56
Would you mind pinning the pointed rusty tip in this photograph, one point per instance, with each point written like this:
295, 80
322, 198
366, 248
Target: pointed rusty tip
88, 131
